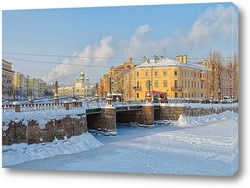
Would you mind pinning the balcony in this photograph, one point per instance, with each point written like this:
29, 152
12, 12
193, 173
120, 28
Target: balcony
176, 88
202, 78
137, 88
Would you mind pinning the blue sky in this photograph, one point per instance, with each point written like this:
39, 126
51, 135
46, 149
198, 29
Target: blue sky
60, 43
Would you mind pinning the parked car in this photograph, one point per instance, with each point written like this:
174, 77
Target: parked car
227, 99
206, 101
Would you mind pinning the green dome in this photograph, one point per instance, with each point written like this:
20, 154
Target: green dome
82, 75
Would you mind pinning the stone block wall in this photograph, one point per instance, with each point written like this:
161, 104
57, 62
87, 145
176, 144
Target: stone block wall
19, 132
105, 121
128, 116
173, 113
144, 116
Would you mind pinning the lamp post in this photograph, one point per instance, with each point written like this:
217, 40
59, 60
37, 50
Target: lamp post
56, 96
148, 97
20, 93
73, 88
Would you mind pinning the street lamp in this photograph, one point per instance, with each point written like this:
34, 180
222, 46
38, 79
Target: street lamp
20, 93
73, 88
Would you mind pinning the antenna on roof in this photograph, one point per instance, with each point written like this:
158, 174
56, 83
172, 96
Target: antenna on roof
164, 51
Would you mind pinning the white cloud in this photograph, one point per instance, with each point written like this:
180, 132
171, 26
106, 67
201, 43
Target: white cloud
214, 24
95, 54
141, 30
138, 45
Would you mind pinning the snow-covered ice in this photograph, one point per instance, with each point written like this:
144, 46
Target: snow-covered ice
19, 153
205, 145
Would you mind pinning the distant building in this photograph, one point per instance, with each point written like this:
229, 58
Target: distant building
42, 88
7, 80
81, 88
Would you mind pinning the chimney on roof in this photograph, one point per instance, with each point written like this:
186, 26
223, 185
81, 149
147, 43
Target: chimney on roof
182, 58
144, 59
185, 59
130, 60
155, 58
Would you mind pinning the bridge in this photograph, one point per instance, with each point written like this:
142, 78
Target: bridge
43, 122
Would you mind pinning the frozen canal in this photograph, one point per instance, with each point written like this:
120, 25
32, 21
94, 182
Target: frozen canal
200, 149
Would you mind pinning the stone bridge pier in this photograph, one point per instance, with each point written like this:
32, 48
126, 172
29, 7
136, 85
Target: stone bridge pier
104, 121
145, 116
109, 116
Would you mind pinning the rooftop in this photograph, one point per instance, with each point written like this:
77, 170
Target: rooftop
167, 62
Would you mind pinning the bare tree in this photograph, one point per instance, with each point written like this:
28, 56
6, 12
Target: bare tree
235, 77
216, 65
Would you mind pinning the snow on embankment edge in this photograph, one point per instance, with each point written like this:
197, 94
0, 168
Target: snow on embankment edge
189, 121
20, 153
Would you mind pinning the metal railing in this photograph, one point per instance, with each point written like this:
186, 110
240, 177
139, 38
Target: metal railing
61, 105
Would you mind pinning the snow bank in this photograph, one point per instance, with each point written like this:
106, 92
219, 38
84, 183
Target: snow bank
188, 121
200, 105
19, 153
40, 116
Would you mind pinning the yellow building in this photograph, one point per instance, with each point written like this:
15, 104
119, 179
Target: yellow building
176, 79
114, 79
7, 79
33, 88
42, 88
25, 87
21, 86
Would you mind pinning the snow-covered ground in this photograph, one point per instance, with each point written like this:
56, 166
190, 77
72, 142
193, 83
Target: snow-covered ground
206, 145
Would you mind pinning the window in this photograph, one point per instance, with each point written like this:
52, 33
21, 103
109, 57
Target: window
176, 95
164, 72
202, 86
165, 83
137, 95
137, 84
146, 73
156, 84
137, 74
156, 73
176, 83
175, 72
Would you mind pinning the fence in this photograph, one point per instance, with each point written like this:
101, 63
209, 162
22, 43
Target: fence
64, 105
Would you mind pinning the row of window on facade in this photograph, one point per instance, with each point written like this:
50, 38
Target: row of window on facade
164, 73
185, 84
183, 95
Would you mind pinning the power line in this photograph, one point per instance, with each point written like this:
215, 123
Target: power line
56, 63
90, 57
67, 56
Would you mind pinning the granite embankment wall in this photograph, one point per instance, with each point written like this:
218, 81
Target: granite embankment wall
166, 112
46, 125
43, 126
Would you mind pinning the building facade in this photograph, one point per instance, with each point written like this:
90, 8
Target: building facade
115, 81
7, 80
176, 79
42, 88
81, 88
